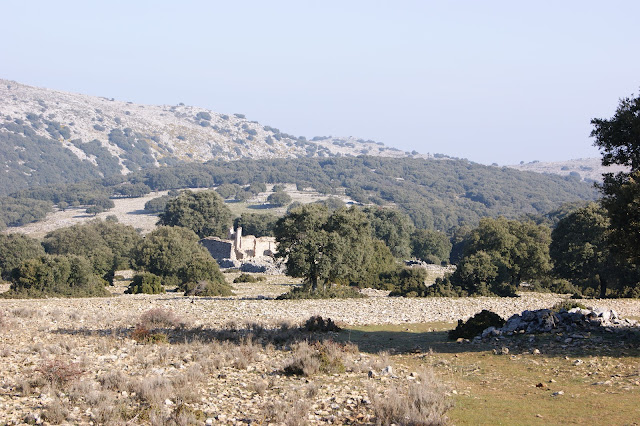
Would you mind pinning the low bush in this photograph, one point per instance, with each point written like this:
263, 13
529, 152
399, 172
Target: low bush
567, 305
248, 278
58, 372
142, 335
160, 318
422, 402
476, 325
333, 292
326, 357
317, 323
146, 283
206, 289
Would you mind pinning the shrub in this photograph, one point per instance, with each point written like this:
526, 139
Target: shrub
317, 323
444, 288
58, 372
476, 325
160, 318
567, 305
333, 292
207, 289
248, 278
321, 357
405, 281
146, 283
142, 335
422, 403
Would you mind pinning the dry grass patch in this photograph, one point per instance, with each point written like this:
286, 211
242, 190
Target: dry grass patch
421, 402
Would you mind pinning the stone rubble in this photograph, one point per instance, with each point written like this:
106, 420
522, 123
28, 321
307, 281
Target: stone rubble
574, 322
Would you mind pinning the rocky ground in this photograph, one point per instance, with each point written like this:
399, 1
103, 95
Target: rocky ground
78, 361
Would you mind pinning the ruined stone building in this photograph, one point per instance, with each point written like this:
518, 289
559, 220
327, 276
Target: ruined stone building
238, 247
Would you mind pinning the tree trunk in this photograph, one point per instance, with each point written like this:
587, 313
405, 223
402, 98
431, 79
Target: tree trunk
603, 288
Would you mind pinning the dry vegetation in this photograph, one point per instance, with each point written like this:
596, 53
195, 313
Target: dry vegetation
165, 359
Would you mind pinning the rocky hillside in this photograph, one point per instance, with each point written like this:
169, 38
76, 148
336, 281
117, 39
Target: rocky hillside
47, 134
583, 168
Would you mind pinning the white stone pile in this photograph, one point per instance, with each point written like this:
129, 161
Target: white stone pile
571, 321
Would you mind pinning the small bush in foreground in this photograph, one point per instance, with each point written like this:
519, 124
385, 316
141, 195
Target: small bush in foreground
142, 335
326, 357
333, 292
423, 402
59, 372
160, 318
146, 283
476, 324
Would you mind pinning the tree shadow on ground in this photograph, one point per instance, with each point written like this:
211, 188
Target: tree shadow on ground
393, 339
142, 212
260, 206
625, 343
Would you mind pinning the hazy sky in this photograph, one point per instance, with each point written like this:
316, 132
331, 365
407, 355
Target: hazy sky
491, 81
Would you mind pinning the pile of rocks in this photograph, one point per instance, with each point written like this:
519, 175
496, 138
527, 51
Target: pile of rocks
573, 320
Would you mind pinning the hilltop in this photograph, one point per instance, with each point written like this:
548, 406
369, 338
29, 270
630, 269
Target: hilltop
588, 169
49, 136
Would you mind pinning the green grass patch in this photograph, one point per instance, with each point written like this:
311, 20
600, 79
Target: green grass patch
597, 377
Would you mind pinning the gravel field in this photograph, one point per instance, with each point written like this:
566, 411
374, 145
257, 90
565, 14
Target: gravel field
74, 361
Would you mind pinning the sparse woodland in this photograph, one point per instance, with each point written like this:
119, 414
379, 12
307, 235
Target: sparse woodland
184, 343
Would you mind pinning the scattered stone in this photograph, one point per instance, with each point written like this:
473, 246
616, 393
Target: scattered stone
557, 393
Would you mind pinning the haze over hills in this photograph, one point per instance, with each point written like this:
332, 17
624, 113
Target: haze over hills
585, 168
49, 139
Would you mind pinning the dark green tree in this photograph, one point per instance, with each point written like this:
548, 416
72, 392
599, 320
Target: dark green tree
146, 283
108, 245
581, 252
619, 141
203, 212
258, 224
327, 249
430, 246
520, 250
174, 254
279, 199
58, 276
14, 250
392, 227
228, 190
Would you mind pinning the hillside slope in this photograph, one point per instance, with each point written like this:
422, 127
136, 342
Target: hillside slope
588, 169
48, 135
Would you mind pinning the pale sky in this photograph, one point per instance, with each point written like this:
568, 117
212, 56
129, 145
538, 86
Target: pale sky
491, 81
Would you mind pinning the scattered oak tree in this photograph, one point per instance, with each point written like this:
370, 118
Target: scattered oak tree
57, 276
328, 249
174, 254
14, 250
279, 199
202, 212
